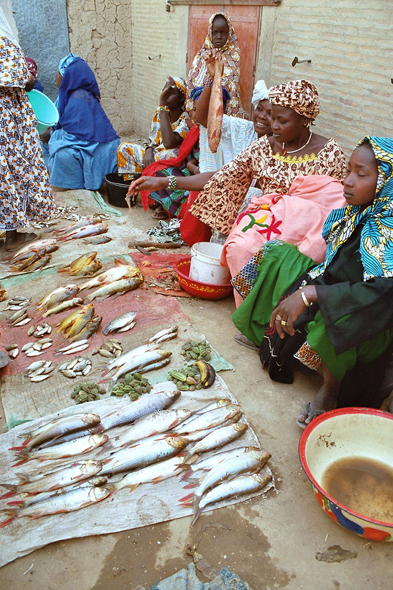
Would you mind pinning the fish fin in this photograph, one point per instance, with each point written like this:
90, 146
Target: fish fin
16, 503
23, 478
8, 521
22, 448
191, 486
186, 474
196, 515
22, 459
187, 499
132, 488
9, 494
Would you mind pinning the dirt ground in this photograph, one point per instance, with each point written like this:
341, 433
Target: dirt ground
270, 542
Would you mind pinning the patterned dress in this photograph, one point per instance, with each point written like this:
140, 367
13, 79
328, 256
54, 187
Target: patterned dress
25, 192
218, 204
130, 155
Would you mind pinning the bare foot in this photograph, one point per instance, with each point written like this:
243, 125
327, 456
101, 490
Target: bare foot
14, 240
322, 402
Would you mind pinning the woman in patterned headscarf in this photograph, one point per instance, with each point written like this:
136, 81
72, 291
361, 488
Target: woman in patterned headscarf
338, 314
25, 192
222, 37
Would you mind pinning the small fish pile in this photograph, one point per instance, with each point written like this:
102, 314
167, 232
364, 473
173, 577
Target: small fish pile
12, 350
85, 266
123, 323
110, 349
166, 231
34, 255
192, 350
40, 330
80, 325
19, 305
38, 347
78, 367
133, 384
61, 211
197, 376
87, 392
39, 371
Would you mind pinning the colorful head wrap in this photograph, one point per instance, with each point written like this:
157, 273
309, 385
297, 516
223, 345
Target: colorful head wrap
376, 242
181, 84
66, 61
260, 93
196, 93
299, 95
32, 66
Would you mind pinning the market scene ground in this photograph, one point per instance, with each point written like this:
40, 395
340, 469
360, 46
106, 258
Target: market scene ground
278, 540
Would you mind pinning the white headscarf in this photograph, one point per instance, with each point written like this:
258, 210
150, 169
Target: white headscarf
6, 30
261, 92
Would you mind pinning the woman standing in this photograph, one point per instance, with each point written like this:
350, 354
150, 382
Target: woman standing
222, 37
82, 148
25, 192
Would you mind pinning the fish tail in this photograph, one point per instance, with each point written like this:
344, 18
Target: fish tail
12, 513
191, 485
23, 478
21, 448
23, 456
197, 513
187, 474
132, 488
9, 494
187, 500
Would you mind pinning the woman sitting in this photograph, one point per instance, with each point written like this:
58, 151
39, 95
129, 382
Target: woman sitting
339, 314
83, 145
220, 36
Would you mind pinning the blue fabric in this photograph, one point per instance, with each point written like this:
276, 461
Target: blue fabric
38, 86
65, 61
74, 163
197, 91
80, 111
376, 243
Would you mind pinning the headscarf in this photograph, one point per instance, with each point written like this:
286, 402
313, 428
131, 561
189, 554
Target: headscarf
65, 62
80, 111
32, 66
299, 95
261, 92
180, 84
376, 240
199, 76
196, 93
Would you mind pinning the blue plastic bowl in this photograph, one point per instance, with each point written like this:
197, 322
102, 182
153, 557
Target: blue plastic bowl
44, 109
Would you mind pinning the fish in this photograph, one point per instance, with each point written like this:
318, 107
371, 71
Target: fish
84, 232
85, 265
210, 462
57, 428
88, 330
98, 240
218, 438
126, 328
83, 314
117, 287
245, 484
200, 434
209, 419
117, 272
61, 478
149, 451
216, 110
219, 403
68, 449
77, 348
34, 247
35, 264
119, 322
166, 334
58, 295
91, 220
63, 306
58, 503
147, 404
157, 365
155, 423
151, 474
73, 345
140, 362
121, 360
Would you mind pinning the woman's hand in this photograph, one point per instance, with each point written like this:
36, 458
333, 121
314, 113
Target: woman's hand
287, 312
46, 135
30, 84
148, 158
147, 183
166, 91
210, 59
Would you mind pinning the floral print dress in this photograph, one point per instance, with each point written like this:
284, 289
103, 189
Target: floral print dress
25, 193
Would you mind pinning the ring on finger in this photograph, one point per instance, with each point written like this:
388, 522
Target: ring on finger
283, 323
278, 318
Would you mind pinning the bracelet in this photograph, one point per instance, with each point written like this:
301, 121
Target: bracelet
209, 83
305, 300
162, 108
172, 182
196, 170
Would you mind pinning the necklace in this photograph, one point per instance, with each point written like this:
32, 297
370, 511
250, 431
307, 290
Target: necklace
284, 151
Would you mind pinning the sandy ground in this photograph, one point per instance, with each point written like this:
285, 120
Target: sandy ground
271, 543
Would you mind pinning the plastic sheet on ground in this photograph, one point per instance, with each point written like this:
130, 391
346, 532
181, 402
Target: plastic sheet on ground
187, 579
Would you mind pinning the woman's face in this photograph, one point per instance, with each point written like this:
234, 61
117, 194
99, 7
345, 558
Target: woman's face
360, 183
262, 118
286, 124
220, 32
58, 79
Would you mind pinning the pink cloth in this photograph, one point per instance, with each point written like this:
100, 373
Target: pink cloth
296, 217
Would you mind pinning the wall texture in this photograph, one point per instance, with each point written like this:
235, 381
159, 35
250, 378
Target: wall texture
348, 41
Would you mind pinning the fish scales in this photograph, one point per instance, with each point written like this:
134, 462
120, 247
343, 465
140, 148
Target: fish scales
155, 423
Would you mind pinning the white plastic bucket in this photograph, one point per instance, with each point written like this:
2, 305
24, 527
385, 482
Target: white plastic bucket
205, 264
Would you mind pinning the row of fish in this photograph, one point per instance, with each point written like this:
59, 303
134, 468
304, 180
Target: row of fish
154, 447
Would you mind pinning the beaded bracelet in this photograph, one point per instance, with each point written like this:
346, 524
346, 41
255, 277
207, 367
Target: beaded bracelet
162, 108
209, 83
172, 183
305, 300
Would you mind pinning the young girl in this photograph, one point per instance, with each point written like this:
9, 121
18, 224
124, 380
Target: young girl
337, 315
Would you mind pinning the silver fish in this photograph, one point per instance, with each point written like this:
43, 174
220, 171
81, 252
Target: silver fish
147, 404
121, 360
117, 287
68, 449
77, 348
155, 423
126, 328
84, 232
74, 345
148, 451
194, 437
209, 419
140, 362
218, 438
119, 322
212, 461
39, 378
166, 334
151, 474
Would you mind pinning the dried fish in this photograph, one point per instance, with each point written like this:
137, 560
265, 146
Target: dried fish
116, 288
166, 334
85, 265
119, 322
58, 295
63, 306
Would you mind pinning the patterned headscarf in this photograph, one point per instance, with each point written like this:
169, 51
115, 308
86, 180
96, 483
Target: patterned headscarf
260, 93
66, 61
32, 66
199, 76
299, 95
376, 242
181, 84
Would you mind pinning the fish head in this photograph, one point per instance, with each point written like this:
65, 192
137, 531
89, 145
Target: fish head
173, 395
91, 419
99, 493
99, 439
183, 413
98, 481
177, 441
262, 456
262, 479
240, 427
224, 402
164, 353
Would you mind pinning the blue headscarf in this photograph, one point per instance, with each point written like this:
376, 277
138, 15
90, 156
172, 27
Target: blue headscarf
66, 61
376, 241
80, 111
197, 91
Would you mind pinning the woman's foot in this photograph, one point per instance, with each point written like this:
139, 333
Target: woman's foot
14, 240
159, 213
244, 341
322, 402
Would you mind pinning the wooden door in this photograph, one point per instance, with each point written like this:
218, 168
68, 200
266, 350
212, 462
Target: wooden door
246, 21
